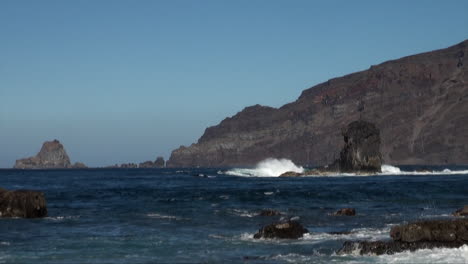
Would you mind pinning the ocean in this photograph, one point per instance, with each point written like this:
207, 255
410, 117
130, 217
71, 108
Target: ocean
211, 215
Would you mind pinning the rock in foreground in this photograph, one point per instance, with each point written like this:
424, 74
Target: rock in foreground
418, 235
51, 156
286, 230
462, 211
22, 203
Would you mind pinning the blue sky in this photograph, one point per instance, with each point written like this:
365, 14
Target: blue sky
126, 81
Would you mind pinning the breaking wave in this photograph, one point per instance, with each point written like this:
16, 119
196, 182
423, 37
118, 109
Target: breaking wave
267, 168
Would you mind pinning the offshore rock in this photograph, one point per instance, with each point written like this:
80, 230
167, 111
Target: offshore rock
291, 174
361, 151
412, 100
345, 212
283, 230
462, 211
417, 235
51, 156
22, 203
158, 163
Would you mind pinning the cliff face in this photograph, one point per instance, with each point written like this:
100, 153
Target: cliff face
51, 156
419, 103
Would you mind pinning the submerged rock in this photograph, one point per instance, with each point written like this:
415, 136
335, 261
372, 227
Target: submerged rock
417, 235
345, 212
361, 151
283, 230
462, 211
269, 212
22, 203
291, 174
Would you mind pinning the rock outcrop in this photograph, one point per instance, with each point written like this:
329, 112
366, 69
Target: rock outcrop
361, 151
418, 235
51, 156
22, 203
345, 212
283, 230
158, 163
462, 211
413, 101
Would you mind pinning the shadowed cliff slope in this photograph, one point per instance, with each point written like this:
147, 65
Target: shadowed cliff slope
419, 103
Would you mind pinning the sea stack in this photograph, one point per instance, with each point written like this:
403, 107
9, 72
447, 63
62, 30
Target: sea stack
51, 156
361, 151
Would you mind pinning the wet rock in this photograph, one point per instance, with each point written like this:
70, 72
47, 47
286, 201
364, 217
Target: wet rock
269, 212
345, 212
361, 151
417, 235
462, 211
391, 247
291, 174
22, 203
282, 230
432, 230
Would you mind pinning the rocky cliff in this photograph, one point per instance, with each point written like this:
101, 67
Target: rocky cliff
419, 103
51, 156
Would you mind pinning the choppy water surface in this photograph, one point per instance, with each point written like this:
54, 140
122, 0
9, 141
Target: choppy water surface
170, 215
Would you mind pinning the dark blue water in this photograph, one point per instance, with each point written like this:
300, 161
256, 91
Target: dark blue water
167, 216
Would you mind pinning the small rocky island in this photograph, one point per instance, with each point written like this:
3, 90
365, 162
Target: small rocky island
360, 153
51, 156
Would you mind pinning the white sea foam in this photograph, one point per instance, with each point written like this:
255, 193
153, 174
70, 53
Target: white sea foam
163, 216
268, 168
392, 170
437, 255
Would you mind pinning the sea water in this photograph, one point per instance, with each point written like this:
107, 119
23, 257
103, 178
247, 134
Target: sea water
211, 215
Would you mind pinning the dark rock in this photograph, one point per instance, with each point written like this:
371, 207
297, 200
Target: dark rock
79, 165
291, 174
462, 211
361, 151
283, 230
345, 212
418, 235
51, 156
432, 230
412, 100
269, 212
159, 162
146, 164
391, 247
128, 166
22, 203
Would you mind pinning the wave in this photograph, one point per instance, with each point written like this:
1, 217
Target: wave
267, 168
275, 167
437, 255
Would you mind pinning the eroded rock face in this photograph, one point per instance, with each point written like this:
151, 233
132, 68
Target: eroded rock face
22, 203
361, 151
413, 101
283, 230
51, 156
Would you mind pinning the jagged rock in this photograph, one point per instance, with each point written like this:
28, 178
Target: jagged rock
361, 151
432, 230
417, 235
159, 162
418, 102
462, 211
269, 212
146, 164
345, 212
128, 166
283, 230
51, 156
22, 203
291, 174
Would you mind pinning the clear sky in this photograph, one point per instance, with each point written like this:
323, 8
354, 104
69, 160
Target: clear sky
126, 81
